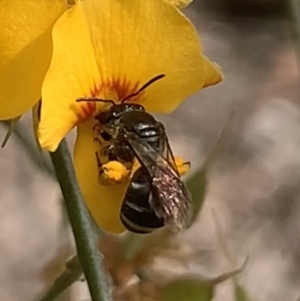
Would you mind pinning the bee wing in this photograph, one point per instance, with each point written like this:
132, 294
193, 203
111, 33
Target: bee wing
170, 200
168, 154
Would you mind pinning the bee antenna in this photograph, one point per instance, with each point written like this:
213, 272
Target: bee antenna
95, 99
146, 85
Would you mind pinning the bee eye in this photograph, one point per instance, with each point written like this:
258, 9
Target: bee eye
105, 136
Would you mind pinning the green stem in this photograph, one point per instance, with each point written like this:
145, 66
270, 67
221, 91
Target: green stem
71, 274
81, 224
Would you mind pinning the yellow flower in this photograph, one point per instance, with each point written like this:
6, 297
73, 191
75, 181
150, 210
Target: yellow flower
25, 51
109, 49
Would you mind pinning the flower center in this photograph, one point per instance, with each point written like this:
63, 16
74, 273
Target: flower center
115, 89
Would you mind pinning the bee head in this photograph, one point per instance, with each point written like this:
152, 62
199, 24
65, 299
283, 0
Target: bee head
111, 118
113, 115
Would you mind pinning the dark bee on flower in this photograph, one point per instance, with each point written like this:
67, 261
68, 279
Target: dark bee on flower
156, 196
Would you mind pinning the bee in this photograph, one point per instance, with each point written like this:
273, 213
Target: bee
156, 196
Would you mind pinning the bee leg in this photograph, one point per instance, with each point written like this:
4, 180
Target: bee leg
109, 152
97, 129
112, 153
116, 153
98, 141
99, 164
182, 166
112, 172
104, 151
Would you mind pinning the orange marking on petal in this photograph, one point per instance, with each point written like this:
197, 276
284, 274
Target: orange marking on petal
96, 91
117, 88
125, 87
120, 87
134, 89
84, 110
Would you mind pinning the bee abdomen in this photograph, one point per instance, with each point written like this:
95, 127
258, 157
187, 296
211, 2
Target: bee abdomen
139, 221
136, 213
151, 136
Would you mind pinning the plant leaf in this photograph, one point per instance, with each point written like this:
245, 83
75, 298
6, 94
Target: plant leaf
240, 293
188, 289
197, 184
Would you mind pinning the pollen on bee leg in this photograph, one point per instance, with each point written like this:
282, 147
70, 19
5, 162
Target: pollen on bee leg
113, 172
182, 166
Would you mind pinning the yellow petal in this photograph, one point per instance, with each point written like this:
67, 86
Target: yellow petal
72, 74
104, 202
213, 73
25, 51
137, 40
179, 3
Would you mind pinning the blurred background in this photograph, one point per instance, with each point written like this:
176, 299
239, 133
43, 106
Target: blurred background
253, 185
